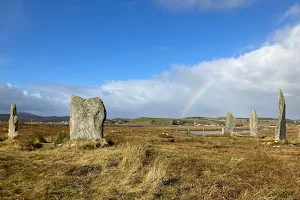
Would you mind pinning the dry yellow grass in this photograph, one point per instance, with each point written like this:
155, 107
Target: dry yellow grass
142, 163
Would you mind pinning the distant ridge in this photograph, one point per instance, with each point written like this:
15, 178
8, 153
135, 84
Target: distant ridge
28, 117
27, 114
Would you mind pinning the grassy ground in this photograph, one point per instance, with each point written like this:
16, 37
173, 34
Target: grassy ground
143, 163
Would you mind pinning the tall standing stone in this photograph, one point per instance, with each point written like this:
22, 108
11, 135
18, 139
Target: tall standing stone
299, 134
86, 118
253, 123
13, 122
281, 123
230, 123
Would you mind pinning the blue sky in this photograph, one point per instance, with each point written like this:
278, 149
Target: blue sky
55, 48
95, 41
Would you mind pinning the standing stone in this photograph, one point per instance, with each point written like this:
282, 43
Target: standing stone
253, 123
13, 122
86, 118
281, 126
298, 134
223, 131
230, 123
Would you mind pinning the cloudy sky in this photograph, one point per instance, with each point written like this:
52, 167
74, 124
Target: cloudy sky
156, 58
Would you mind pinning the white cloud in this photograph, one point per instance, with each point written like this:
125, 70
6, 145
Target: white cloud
209, 88
10, 85
286, 94
203, 4
291, 13
29, 102
25, 93
37, 95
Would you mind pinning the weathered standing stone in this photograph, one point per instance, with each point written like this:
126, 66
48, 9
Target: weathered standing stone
281, 123
253, 123
299, 134
86, 118
230, 123
13, 122
223, 131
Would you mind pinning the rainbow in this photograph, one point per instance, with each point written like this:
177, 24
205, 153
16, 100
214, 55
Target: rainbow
199, 92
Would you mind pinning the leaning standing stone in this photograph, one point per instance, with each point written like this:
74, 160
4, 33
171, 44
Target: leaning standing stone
230, 123
281, 126
253, 123
13, 122
86, 118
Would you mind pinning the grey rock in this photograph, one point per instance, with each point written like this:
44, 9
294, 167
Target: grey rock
86, 118
280, 129
230, 123
253, 123
13, 122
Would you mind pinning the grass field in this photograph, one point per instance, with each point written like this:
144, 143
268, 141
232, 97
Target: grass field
143, 163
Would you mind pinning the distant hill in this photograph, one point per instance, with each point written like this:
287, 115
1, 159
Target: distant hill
26, 114
28, 117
